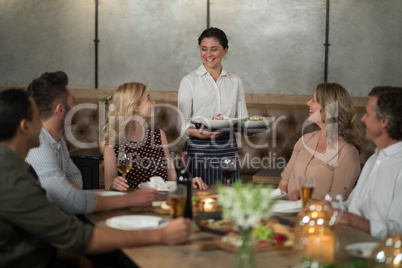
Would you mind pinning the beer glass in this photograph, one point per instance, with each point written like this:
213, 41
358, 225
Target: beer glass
307, 185
177, 199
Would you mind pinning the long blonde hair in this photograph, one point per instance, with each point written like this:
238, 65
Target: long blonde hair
338, 109
125, 99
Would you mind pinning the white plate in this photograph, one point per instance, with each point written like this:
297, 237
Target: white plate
109, 193
136, 222
361, 250
287, 207
258, 124
218, 124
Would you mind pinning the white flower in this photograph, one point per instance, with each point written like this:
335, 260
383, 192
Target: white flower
245, 205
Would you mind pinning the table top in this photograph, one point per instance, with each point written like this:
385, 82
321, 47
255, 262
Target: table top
269, 176
187, 255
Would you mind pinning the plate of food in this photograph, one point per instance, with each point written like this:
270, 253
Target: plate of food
256, 121
214, 223
217, 122
272, 234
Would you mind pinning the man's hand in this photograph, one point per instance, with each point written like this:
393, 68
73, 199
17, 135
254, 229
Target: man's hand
198, 183
120, 184
177, 231
143, 197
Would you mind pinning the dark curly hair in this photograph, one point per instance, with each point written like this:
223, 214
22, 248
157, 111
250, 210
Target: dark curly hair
389, 105
46, 90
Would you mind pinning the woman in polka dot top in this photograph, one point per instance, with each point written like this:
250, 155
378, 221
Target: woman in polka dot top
127, 131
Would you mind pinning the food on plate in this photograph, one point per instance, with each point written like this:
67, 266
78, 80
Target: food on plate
268, 234
218, 224
218, 117
253, 118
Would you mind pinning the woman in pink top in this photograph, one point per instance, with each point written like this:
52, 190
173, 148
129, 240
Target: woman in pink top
331, 154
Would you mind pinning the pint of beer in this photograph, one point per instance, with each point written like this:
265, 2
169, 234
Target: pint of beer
307, 185
177, 200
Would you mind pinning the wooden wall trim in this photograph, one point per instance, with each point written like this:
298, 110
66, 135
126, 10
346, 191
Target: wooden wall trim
94, 95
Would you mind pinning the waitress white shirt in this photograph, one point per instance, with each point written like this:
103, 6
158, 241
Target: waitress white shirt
200, 95
378, 193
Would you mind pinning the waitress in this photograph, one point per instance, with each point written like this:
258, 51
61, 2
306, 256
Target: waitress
208, 91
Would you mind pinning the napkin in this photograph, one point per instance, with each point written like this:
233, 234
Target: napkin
277, 193
159, 183
287, 206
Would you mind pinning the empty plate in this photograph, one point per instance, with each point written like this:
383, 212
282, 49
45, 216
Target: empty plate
361, 250
136, 222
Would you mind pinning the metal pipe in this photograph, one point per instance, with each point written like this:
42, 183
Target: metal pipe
326, 43
96, 41
208, 14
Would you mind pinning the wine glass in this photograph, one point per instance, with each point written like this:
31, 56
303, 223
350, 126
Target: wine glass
228, 168
124, 162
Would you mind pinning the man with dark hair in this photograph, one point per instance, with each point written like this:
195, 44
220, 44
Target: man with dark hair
374, 204
31, 228
57, 173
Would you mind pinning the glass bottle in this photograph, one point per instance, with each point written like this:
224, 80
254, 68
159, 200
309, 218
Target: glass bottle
185, 177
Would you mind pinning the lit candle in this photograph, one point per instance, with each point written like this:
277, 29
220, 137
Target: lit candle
208, 205
321, 248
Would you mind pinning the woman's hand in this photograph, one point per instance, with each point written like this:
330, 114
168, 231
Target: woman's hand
120, 184
294, 195
198, 183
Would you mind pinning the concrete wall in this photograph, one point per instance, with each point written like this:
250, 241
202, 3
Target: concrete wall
276, 46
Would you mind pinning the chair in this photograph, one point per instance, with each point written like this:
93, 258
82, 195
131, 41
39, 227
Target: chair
87, 161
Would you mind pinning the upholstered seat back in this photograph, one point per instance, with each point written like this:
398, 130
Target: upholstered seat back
269, 149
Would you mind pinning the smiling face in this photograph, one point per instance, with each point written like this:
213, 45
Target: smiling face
144, 108
374, 126
212, 52
314, 110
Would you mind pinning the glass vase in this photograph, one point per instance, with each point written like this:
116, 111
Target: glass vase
245, 257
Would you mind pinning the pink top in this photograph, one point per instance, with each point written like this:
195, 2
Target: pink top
336, 170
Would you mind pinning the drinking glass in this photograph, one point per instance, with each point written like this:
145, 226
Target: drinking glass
307, 185
177, 199
228, 168
124, 162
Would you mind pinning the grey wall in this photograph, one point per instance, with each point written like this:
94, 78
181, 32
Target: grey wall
276, 46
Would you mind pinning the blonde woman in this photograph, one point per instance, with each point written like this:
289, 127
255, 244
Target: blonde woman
126, 132
331, 154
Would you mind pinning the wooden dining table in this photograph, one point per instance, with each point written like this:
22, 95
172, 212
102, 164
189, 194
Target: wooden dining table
190, 255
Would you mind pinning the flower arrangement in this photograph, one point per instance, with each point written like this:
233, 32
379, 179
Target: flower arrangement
246, 206
107, 100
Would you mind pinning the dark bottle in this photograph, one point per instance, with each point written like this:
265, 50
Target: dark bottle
185, 177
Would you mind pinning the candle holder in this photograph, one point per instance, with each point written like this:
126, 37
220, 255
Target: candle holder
209, 204
315, 232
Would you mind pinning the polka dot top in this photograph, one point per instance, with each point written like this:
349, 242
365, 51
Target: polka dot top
148, 158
